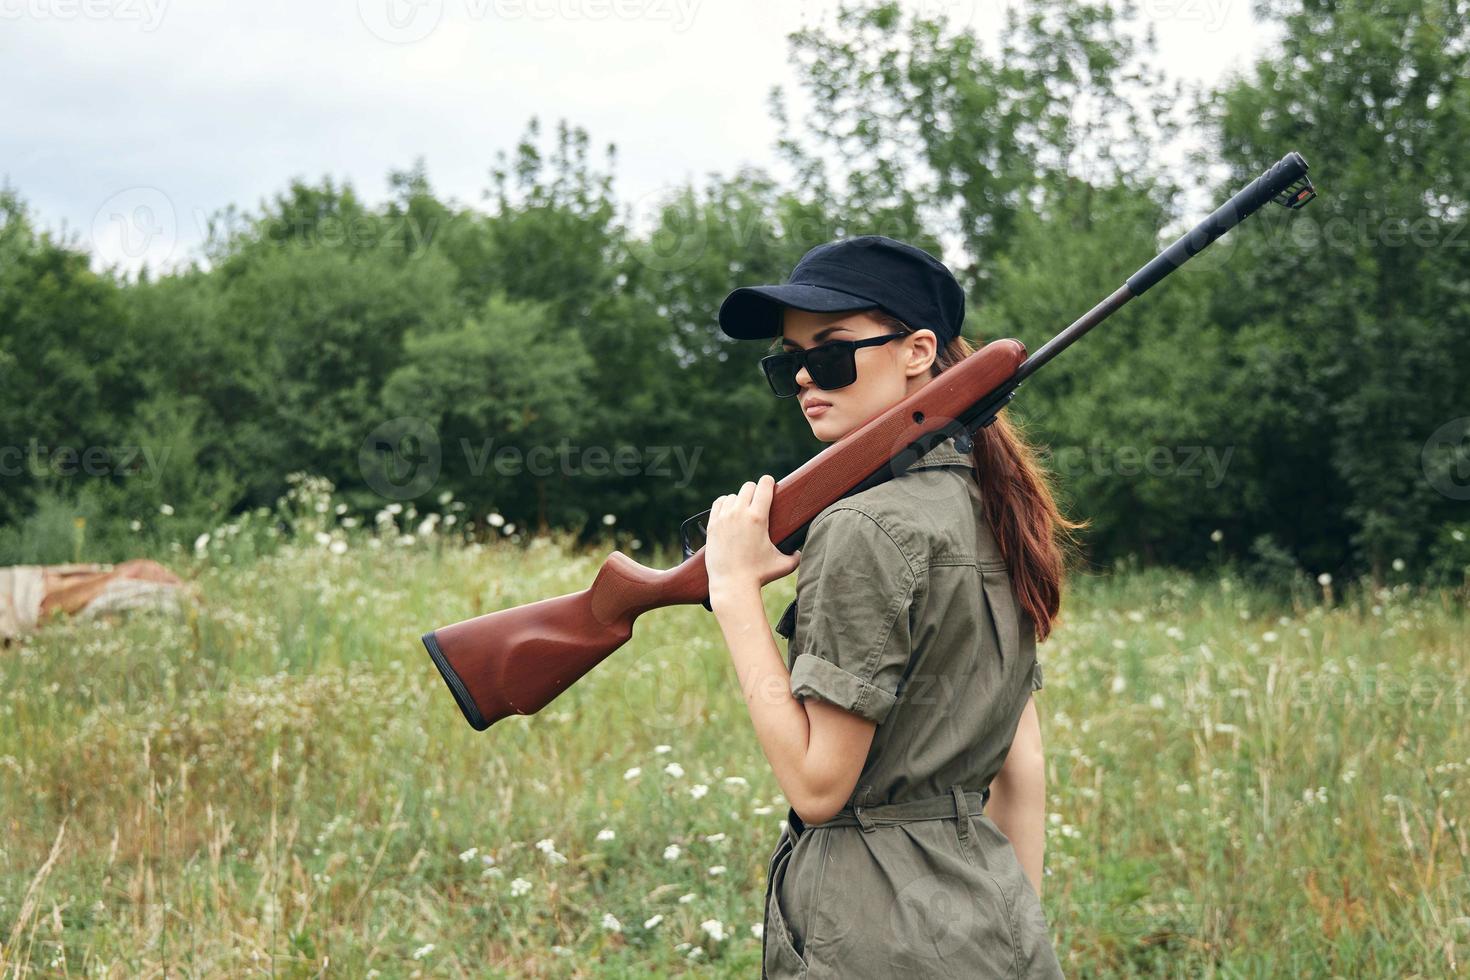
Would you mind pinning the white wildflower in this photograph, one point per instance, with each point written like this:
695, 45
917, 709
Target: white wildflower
698, 790
606, 833
714, 927
423, 951
674, 769
671, 852
610, 922
633, 773
649, 924
520, 886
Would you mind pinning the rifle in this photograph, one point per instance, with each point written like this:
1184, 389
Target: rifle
517, 660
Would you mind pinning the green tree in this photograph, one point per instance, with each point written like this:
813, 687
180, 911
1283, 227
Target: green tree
1352, 322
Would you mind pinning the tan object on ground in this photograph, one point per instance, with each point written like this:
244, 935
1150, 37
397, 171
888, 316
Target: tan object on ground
31, 593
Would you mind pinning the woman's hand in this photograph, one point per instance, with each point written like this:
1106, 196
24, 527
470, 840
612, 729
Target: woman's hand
738, 551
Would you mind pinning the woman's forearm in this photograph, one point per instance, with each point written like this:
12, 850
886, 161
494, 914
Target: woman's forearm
780, 720
1018, 796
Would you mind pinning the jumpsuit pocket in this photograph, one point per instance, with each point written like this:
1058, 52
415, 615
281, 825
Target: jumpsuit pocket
781, 960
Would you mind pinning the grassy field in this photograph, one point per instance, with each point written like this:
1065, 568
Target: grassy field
278, 782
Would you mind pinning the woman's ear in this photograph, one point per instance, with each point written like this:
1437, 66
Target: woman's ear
922, 351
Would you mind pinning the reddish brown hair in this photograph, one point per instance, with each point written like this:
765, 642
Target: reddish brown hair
1035, 538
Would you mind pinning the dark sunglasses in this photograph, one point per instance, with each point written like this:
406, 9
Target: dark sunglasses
831, 365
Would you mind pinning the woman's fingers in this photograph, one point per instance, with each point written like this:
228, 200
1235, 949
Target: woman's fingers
763, 490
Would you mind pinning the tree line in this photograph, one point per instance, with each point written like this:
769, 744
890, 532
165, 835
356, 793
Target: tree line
1295, 398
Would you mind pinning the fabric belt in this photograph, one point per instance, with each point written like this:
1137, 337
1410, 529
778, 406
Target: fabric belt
953, 805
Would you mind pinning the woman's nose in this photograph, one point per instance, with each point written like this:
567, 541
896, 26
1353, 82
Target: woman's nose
802, 378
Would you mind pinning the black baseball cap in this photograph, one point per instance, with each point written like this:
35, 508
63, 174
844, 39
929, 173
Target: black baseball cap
862, 273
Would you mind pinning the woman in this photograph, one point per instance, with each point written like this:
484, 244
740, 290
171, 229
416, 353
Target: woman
905, 699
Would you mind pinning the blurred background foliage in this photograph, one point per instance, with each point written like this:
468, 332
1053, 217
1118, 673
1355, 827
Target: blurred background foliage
1299, 389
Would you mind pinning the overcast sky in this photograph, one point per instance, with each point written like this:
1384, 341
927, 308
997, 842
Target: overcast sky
131, 120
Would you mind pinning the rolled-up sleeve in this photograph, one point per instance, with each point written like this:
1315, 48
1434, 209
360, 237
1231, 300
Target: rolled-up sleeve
854, 595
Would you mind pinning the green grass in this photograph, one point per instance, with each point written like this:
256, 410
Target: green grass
278, 782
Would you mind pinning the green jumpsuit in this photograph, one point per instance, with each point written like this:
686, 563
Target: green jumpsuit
905, 615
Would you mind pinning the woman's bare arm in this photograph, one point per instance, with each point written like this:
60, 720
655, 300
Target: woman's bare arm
1018, 796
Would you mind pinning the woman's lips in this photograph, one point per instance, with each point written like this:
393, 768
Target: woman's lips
816, 409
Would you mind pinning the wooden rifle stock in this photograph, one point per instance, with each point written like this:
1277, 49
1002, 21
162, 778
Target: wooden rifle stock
517, 660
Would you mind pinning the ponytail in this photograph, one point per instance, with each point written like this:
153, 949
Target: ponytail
1035, 538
